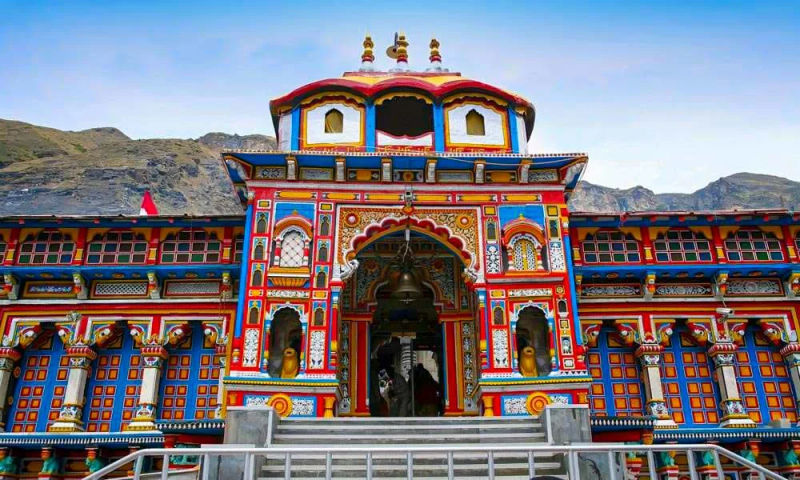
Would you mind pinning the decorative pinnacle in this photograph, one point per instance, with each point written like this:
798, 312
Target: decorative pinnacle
435, 55
368, 56
402, 48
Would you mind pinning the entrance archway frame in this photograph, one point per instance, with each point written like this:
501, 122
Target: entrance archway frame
458, 231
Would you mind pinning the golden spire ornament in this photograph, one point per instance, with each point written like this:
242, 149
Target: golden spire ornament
367, 56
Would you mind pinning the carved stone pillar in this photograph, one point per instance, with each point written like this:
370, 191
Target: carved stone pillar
733, 412
649, 355
8, 358
144, 418
71, 414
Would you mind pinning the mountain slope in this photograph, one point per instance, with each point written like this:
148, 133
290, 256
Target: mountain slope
737, 191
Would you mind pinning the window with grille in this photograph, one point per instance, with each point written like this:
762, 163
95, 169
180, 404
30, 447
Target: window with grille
3, 248
238, 248
292, 250
752, 245
39, 391
678, 246
189, 385
610, 247
686, 376
524, 254
112, 390
616, 388
764, 382
191, 246
48, 247
117, 248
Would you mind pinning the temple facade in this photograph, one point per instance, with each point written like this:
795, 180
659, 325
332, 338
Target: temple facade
401, 253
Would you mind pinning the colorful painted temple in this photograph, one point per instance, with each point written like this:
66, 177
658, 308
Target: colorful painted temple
401, 233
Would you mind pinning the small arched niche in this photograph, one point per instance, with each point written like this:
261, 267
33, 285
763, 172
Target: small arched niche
285, 332
532, 332
334, 121
475, 123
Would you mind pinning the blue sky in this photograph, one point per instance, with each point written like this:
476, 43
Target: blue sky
669, 95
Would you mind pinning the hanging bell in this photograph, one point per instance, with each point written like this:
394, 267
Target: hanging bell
408, 287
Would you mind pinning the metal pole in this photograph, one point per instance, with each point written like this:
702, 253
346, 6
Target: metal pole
531, 464
287, 466
206, 466
410, 465
718, 465
450, 465
692, 466
612, 465
250, 461
165, 467
491, 465
369, 465
137, 468
651, 465
328, 465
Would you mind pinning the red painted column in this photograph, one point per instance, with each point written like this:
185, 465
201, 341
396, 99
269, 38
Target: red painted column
359, 367
452, 373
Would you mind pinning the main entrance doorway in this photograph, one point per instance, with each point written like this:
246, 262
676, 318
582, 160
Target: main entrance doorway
407, 333
405, 361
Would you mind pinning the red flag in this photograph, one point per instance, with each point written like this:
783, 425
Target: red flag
148, 205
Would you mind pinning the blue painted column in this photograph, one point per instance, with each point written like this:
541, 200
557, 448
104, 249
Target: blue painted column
438, 127
512, 129
244, 276
295, 144
369, 129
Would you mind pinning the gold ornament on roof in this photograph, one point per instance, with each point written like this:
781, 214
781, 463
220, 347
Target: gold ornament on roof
435, 55
367, 55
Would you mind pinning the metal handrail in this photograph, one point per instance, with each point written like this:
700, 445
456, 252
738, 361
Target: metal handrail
571, 451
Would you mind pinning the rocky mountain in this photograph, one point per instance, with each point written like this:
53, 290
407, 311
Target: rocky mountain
44, 171
737, 191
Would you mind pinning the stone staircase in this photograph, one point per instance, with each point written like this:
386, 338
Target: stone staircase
398, 432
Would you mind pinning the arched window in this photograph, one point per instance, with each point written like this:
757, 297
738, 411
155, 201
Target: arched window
115, 380
117, 247
610, 247
616, 389
258, 278
753, 245
525, 257
319, 317
322, 253
797, 241
532, 331
191, 246
3, 248
292, 250
258, 252
286, 333
190, 382
334, 121
764, 382
261, 225
498, 317
562, 307
40, 388
687, 379
48, 247
325, 226
475, 123
491, 231
252, 318
322, 279
679, 246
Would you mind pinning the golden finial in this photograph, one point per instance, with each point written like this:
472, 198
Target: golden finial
435, 55
402, 48
368, 56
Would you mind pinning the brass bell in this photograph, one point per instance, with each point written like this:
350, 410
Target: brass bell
408, 287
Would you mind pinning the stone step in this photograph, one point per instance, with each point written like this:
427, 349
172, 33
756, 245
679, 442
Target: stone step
299, 476
409, 420
451, 438
422, 458
419, 471
349, 427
